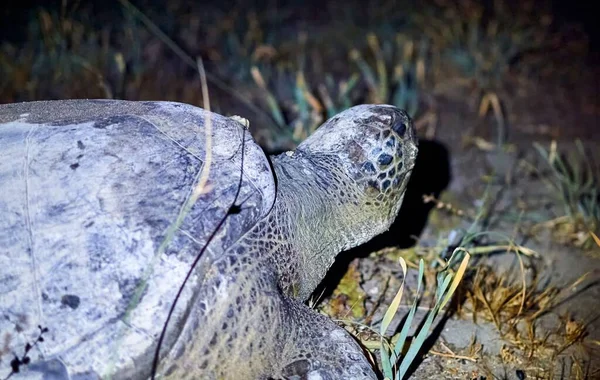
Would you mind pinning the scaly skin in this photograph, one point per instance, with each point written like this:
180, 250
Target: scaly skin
340, 188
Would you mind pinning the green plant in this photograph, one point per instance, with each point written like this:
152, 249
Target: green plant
336, 97
240, 40
293, 106
397, 358
66, 55
574, 180
188, 60
485, 41
292, 103
471, 237
396, 73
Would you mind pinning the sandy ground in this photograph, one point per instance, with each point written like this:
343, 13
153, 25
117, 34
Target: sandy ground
459, 180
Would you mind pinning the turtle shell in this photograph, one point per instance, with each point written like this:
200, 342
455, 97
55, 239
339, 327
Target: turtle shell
101, 218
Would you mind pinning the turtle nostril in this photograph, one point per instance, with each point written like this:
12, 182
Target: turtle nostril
399, 127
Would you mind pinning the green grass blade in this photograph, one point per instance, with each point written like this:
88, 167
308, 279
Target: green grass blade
386, 362
344, 96
365, 69
417, 343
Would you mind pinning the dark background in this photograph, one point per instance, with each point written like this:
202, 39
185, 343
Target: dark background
15, 14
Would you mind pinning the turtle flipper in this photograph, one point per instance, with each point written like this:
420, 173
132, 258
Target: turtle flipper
320, 349
265, 334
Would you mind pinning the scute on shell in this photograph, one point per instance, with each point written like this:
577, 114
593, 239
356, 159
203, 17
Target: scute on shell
90, 248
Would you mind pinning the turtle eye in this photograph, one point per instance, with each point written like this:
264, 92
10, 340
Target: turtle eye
399, 127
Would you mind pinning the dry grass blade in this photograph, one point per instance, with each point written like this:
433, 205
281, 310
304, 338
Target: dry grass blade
516, 313
382, 93
496, 248
271, 101
428, 121
201, 187
393, 308
451, 354
596, 238
201, 179
388, 359
198, 190
524, 282
492, 100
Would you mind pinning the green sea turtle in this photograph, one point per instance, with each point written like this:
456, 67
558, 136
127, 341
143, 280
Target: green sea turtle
101, 218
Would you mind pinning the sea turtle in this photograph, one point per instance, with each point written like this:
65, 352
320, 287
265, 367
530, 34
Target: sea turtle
106, 205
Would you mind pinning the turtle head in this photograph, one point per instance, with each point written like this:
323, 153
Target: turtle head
368, 153
340, 188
